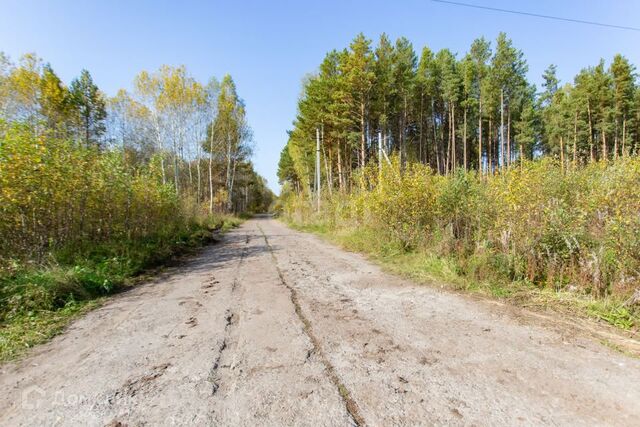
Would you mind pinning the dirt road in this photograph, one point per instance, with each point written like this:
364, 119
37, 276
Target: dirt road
276, 327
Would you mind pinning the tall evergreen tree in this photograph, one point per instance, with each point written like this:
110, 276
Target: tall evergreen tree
384, 90
451, 83
404, 66
90, 108
624, 90
480, 53
358, 80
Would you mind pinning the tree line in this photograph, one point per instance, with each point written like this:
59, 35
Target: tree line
76, 164
475, 111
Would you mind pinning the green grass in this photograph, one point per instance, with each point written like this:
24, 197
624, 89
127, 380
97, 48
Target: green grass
23, 332
37, 302
425, 266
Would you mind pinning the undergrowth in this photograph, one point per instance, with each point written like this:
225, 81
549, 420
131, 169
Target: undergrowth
537, 232
38, 300
426, 266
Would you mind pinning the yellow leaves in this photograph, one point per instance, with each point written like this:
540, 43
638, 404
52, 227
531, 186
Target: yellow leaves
170, 89
52, 190
544, 224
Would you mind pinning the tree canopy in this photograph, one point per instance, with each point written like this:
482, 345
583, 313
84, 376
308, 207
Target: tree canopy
472, 111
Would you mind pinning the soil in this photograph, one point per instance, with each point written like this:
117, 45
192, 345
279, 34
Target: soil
277, 327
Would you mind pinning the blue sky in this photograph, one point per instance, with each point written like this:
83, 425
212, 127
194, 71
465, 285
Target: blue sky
269, 46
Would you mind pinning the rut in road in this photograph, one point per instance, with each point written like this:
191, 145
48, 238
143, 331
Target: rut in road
277, 327
230, 318
350, 404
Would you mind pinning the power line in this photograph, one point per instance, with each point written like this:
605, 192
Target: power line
537, 15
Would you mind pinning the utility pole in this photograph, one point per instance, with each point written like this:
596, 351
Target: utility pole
318, 167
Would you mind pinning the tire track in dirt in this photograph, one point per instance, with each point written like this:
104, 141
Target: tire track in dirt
412, 355
133, 385
250, 344
230, 320
350, 404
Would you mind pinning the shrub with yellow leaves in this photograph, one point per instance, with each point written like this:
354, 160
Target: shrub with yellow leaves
571, 228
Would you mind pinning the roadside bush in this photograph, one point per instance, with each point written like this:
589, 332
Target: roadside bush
55, 193
76, 222
404, 203
576, 229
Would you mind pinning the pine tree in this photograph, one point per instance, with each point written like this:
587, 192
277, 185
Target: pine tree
426, 92
480, 53
90, 109
358, 80
404, 69
624, 90
508, 70
527, 129
451, 84
468, 72
479, 111
603, 92
385, 89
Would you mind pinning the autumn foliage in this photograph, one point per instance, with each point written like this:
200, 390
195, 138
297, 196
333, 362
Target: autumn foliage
574, 230
78, 167
95, 190
464, 159
55, 193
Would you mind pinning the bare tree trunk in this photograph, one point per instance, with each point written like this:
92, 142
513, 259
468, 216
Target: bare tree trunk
453, 137
521, 156
326, 167
175, 167
624, 136
489, 151
501, 154
211, 172
447, 158
561, 155
164, 175
464, 139
615, 141
480, 169
340, 177
156, 125
228, 178
575, 139
230, 195
591, 154
508, 137
199, 173
210, 183
348, 170
420, 156
246, 198
603, 134
435, 136
330, 177
362, 136
404, 126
